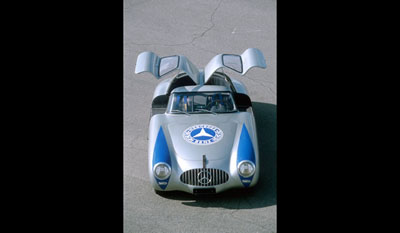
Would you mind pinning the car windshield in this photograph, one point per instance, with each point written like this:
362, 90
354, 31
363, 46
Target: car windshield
202, 102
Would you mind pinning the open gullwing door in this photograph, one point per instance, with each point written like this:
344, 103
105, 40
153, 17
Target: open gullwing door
150, 62
250, 58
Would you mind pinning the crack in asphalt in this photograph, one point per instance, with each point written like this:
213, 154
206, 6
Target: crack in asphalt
195, 36
205, 50
212, 22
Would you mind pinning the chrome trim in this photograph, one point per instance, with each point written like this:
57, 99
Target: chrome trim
204, 177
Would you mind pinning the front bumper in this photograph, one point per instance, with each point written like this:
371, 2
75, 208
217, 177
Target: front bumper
175, 184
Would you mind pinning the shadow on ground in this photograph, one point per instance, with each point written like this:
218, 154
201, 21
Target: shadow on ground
264, 193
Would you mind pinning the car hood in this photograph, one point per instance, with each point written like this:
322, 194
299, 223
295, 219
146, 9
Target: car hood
180, 125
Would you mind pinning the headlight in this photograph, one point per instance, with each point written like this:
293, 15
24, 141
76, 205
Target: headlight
162, 171
246, 168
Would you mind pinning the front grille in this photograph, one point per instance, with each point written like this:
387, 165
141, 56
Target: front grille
204, 177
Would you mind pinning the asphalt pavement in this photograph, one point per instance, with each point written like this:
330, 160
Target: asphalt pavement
199, 30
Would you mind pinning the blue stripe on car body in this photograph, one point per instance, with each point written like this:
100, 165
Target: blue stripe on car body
245, 152
161, 154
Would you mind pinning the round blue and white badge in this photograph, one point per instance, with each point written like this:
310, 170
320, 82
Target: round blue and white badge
203, 134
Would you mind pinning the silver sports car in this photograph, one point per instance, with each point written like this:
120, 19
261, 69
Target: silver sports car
202, 133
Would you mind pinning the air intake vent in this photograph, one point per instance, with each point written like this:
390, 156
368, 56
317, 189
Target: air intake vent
204, 177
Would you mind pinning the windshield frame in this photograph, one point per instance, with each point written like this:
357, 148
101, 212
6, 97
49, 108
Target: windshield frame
171, 98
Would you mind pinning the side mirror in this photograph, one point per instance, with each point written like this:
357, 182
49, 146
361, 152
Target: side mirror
233, 61
168, 64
